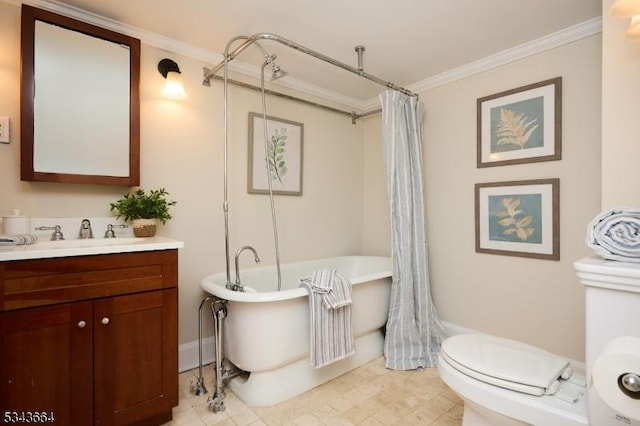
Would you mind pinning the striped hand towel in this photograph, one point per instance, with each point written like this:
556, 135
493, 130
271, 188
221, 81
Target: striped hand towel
17, 240
331, 323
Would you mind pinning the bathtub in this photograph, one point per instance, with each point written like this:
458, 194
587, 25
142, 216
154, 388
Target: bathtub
266, 332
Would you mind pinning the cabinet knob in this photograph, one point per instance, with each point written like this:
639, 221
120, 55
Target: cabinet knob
105, 321
82, 324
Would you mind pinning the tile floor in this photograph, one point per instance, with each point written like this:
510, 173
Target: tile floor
368, 395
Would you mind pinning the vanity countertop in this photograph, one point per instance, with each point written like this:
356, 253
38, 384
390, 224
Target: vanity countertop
80, 247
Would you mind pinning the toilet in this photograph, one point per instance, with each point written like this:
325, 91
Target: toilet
503, 382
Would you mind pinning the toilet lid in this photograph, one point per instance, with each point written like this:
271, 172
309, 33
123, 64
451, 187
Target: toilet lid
506, 363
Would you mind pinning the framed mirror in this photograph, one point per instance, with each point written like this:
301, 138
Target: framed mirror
80, 112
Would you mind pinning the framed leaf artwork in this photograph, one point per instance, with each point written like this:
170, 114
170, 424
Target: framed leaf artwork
521, 125
275, 155
518, 218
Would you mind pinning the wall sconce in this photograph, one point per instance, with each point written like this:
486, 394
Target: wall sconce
173, 87
628, 9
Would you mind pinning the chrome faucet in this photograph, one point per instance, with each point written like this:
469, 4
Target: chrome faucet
110, 233
237, 286
85, 229
57, 232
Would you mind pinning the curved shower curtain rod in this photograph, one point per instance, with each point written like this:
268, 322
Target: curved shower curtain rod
210, 73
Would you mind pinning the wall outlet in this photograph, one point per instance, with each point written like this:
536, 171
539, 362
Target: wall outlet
4, 129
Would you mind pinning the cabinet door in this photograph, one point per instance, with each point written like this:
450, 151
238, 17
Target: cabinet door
136, 358
46, 363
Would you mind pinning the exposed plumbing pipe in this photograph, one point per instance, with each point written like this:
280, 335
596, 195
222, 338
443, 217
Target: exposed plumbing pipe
225, 203
225, 206
360, 51
219, 312
199, 388
266, 160
222, 373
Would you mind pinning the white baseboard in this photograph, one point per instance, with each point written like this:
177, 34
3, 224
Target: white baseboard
188, 354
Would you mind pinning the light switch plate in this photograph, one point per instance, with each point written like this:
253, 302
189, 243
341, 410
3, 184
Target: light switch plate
4, 129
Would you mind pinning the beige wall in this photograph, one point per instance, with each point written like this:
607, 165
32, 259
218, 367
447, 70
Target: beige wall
620, 112
377, 232
537, 301
181, 150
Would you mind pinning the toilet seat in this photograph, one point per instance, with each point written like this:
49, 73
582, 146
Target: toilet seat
506, 363
488, 405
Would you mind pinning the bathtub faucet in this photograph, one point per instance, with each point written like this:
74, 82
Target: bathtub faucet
237, 286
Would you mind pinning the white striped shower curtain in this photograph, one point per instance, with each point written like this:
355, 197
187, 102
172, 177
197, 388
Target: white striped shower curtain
414, 333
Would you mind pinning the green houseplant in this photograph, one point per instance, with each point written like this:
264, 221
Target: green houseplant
144, 209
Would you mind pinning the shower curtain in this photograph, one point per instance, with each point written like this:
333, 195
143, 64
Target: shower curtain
414, 332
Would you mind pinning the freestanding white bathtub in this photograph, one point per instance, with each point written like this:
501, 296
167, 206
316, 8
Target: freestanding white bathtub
266, 332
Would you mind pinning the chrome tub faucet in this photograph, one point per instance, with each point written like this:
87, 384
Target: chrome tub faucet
238, 286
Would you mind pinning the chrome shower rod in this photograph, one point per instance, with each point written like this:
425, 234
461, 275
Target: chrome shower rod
273, 37
354, 115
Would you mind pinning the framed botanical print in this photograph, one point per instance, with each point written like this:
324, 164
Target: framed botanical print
518, 218
277, 159
521, 125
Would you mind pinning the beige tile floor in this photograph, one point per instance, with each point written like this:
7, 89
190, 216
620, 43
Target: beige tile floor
368, 395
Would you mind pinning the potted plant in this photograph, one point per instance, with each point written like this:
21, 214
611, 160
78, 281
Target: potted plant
145, 210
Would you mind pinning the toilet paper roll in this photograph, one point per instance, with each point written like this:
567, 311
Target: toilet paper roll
618, 362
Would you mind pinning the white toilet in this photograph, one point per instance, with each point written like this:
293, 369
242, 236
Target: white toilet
503, 382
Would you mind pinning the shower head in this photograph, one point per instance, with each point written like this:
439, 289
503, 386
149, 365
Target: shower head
277, 72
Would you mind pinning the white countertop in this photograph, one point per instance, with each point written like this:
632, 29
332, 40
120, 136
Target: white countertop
78, 247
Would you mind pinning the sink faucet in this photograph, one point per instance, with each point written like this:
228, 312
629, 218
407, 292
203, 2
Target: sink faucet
110, 233
237, 286
57, 232
85, 229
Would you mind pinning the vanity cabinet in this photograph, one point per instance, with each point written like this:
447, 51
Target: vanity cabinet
90, 339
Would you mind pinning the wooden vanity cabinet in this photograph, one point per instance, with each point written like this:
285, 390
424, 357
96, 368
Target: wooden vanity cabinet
90, 339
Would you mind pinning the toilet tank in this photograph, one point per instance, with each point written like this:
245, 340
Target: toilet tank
612, 309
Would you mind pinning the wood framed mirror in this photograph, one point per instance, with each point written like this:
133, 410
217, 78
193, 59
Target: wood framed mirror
80, 110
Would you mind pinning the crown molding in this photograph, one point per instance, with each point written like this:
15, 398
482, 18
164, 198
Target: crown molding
146, 37
548, 42
175, 46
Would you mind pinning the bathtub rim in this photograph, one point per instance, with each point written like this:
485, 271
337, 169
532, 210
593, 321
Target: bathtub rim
214, 284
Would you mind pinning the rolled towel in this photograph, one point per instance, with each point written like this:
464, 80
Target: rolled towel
615, 234
17, 240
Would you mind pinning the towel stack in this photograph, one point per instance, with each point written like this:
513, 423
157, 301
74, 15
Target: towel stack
331, 323
615, 234
17, 240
